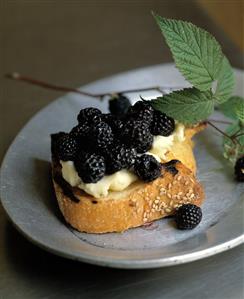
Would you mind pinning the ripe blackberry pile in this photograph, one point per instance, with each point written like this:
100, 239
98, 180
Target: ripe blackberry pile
106, 143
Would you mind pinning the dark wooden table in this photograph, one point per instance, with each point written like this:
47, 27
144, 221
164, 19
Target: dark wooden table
72, 43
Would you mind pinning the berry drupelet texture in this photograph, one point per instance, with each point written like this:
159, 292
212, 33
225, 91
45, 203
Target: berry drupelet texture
142, 111
119, 157
100, 136
119, 105
90, 167
162, 124
137, 134
188, 216
89, 115
147, 168
67, 147
239, 169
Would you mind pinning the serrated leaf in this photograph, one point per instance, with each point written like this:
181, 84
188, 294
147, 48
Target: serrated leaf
239, 110
196, 52
188, 106
229, 107
225, 83
232, 150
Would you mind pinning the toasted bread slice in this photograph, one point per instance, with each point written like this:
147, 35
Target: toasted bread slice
140, 202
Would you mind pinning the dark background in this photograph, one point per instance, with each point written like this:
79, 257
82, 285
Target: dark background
72, 43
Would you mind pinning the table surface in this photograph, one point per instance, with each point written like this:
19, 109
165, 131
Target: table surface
73, 43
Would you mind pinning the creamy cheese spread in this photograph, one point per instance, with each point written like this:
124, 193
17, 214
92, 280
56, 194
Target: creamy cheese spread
123, 178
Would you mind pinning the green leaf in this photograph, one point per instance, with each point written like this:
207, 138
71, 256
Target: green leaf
239, 110
196, 52
188, 106
231, 107
225, 83
232, 150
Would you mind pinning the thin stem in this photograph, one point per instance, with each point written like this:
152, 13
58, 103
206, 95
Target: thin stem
238, 135
222, 132
220, 121
18, 77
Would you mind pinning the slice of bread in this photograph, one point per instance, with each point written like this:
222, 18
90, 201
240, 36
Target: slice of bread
140, 202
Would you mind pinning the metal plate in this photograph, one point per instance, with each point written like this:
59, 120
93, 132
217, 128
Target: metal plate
29, 201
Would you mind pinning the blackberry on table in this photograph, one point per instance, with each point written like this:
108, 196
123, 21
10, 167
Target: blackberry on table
147, 168
137, 134
119, 157
89, 115
90, 167
239, 169
67, 147
188, 216
162, 124
119, 105
100, 136
142, 111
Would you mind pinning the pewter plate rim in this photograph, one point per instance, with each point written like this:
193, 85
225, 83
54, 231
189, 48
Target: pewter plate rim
191, 255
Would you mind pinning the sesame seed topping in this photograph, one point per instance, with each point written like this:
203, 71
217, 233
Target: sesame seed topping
186, 183
178, 197
174, 182
192, 195
169, 195
168, 210
169, 185
179, 178
180, 193
157, 200
145, 219
176, 206
162, 190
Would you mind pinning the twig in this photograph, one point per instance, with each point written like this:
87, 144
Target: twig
220, 121
18, 77
222, 132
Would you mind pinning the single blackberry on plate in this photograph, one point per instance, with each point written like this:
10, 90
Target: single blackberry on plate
100, 136
162, 124
147, 168
67, 147
239, 169
137, 134
119, 105
90, 167
89, 115
119, 157
54, 141
143, 111
188, 216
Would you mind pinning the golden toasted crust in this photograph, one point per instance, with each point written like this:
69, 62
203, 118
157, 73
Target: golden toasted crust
140, 202
144, 202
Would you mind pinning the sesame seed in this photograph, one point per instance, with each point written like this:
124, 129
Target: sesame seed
180, 193
186, 183
162, 190
169, 195
171, 203
157, 200
145, 214
179, 178
178, 197
184, 197
176, 206
168, 210
154, 205
145, 219
192, 195
174, 182
169, 185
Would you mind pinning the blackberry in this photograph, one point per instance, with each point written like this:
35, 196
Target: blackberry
147, 168
67, 147
188, 216
137, 135
119, 105
54, 141
100, 136
114, 122
90, 167
119, 157
143, 111
239, 169
81, 130
162, 124
89, 115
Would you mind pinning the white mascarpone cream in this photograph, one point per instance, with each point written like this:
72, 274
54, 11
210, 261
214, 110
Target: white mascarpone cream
123, 178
